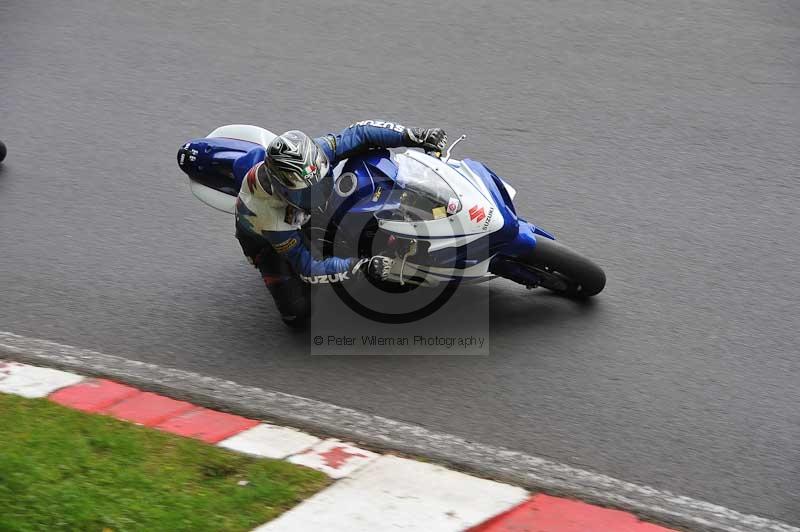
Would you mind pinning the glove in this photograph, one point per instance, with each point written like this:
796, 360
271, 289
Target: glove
434, 139
377, 267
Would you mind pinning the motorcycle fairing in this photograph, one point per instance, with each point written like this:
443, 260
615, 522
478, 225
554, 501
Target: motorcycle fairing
473, 221
456, 242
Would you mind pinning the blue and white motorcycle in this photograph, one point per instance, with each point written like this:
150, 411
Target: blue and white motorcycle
443, 220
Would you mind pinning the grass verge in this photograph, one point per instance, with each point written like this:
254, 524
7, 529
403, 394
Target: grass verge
65, 470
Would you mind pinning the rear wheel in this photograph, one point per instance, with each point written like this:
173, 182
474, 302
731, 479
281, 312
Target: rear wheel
564, 271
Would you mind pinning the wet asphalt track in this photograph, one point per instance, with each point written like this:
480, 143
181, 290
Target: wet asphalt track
660, 138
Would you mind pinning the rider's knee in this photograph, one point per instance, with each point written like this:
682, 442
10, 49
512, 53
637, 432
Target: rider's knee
293, 299
296, 313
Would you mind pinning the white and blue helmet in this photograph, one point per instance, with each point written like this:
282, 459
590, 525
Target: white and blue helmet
298, 170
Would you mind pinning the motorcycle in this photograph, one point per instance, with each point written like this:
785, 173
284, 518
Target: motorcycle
444, 220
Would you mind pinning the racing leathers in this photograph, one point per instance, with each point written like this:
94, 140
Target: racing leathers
269, 228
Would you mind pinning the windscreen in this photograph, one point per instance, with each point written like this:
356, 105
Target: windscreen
420, 193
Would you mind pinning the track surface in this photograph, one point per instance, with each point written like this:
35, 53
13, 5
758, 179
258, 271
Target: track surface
658, 138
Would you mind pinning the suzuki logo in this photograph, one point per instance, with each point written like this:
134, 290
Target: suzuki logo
476, 214
330, 278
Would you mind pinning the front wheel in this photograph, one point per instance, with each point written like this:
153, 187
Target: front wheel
564, 271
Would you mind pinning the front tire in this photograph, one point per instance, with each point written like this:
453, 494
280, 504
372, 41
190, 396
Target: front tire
563, 270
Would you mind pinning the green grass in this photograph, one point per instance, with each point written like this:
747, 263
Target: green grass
65, 470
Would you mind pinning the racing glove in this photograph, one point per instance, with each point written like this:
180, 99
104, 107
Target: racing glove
434, 139
377, 267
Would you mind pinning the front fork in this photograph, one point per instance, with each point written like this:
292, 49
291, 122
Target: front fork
510, 261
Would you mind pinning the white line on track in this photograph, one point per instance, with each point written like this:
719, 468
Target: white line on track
494, 462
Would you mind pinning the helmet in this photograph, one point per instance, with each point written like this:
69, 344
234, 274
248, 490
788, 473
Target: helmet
298, 170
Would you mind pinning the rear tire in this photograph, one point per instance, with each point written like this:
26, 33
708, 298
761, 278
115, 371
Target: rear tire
564, 271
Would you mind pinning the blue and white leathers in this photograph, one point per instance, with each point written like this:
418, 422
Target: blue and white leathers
264, 214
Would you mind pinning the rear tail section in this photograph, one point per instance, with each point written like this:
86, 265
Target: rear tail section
216, 167
216, 164
213, 162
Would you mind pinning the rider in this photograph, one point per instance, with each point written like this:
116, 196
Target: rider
278, 195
